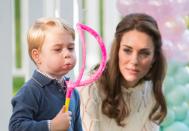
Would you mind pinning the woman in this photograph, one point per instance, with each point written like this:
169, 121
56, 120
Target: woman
128, 96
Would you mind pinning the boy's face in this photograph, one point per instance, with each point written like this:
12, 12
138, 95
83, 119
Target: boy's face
57, 55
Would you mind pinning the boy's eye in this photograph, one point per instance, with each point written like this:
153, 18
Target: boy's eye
71, 48
58, 49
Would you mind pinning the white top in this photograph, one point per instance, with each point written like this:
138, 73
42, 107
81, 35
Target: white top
141, 101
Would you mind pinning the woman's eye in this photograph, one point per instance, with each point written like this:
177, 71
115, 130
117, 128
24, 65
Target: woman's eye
145, 54
127, 51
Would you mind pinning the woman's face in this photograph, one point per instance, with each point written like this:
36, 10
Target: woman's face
136, 56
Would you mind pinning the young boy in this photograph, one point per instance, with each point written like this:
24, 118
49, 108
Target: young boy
38, 106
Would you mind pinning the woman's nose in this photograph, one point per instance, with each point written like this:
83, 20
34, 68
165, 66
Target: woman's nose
134, 59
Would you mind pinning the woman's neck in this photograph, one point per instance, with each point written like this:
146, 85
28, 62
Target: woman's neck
130, 84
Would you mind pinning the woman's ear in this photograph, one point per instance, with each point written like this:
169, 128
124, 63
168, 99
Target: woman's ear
35, 56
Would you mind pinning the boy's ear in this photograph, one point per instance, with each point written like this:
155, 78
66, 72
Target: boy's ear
35, 56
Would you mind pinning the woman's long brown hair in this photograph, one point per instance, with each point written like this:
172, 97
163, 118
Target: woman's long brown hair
114, 105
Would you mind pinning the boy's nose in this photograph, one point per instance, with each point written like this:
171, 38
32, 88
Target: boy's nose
66, 53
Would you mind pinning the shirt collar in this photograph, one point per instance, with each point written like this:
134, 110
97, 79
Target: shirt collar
45, 79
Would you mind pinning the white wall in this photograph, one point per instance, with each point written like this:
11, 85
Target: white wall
111, 19
5, 62
110, 16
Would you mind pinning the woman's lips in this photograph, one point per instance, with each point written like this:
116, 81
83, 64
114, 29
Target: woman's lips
133, 71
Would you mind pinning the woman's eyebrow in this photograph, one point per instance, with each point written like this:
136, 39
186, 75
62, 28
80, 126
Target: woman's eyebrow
145, 49
127, 46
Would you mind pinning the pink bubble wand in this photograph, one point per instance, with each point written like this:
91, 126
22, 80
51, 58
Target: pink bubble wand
97, 74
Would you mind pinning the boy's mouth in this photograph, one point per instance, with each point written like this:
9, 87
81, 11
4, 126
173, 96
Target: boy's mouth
67, 66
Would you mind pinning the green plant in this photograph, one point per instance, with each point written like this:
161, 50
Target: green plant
17, 83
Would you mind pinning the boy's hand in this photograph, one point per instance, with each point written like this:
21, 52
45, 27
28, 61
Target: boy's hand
61, 121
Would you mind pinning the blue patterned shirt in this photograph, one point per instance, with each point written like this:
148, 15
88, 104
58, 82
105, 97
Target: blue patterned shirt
39, 100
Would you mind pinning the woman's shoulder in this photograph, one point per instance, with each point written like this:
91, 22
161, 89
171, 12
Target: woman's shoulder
89, 107
147, 91
89, 91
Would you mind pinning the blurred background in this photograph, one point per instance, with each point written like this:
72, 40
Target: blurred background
101, 15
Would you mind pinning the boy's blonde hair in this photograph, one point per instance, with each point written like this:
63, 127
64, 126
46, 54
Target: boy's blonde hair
38, 30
